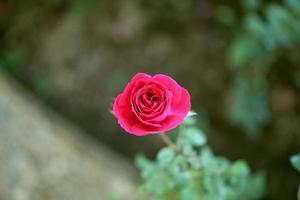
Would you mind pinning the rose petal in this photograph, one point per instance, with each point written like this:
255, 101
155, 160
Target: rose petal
171, 84
139, 76
183, 106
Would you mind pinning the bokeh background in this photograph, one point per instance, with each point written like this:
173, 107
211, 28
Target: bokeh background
63, 62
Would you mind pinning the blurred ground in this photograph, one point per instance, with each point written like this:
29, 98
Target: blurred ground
78, 56
44, 157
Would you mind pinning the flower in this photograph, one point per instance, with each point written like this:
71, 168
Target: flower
151, 105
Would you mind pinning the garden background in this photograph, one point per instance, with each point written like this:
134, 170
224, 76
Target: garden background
62, 63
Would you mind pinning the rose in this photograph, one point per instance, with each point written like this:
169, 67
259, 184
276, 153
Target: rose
151, 104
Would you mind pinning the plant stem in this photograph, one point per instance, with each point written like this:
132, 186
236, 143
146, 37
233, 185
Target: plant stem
167, 140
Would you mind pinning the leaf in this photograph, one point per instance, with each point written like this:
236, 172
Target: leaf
191, 113
187, 149
166, 155
179, 160
195, 162
207, 158
195, 136
141, 161
256, 185
189, 119
279, 18
239, 168
241, 51
255, 25
146, 166
295, 161
250, 108
189, 192
293, 5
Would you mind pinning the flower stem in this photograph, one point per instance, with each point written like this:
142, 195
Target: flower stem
167, 140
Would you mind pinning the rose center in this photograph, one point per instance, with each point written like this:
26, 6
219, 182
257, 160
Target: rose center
149, 100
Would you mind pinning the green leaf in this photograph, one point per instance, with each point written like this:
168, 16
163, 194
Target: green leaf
146, 166
255, 25
250, 108
256, 185
195, 136
141, 161
195, 161
187, 149
190, 119
279, 18
295, 161
207, 158
189, 192
241, 51
239, 168
293, 5
166, 155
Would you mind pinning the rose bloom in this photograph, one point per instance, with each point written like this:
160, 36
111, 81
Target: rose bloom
151, 105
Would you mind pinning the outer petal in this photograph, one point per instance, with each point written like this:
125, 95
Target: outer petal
123, 114
171, 84
141, 130
182, 108
139, 76
170, 123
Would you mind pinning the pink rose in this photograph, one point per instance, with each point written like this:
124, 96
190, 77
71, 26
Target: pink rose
151, 104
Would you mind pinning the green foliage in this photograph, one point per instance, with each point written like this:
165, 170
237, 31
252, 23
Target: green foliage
191, 171
250, 96
258, 37
295, 161
165, 155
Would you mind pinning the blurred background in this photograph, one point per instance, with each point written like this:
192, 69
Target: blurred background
62, 63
